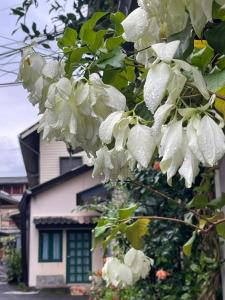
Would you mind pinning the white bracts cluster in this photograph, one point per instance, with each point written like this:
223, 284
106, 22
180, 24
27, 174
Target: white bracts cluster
155, 20
92, 115
37, 75
136, 266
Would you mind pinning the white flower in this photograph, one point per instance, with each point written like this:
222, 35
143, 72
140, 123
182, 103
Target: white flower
171, 149
211, 141
198, 79
135, 25
190, 168
156, 85
200, 13
30, 68
107, 126
116, 273
112, 164
139, 264
141, 144
166, 51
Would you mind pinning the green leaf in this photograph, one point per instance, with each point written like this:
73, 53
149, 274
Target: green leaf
220, 229
125, 213
199, 201
215, 37
88, 26
217, 203
25, 28
202, 57
114, 42
218, 12
76, 54
69, 38
215, 81
114, 59
99, 230
116, 78
117, 19
221, 62
188, 246
136, 231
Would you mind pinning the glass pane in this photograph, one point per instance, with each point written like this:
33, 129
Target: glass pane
86, 245
79, 245
45, 246
86, 269
86, 236
72, 236
72, 245
79, 278
56, 246
79, 261
72, 269
86, 252
79, 252
72, 278
79, 270
72, 261
79, 236
86, 260
86, 278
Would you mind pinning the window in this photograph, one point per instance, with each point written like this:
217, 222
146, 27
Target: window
98, 192
50, 246
69, 163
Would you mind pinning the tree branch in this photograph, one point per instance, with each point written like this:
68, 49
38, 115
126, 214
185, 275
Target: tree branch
179, 202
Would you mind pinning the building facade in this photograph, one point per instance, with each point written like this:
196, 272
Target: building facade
57, 237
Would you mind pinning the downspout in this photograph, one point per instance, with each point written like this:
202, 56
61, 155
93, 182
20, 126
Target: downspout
219, 189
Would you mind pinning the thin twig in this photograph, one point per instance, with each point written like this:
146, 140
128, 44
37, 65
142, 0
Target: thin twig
155, 218
180, 203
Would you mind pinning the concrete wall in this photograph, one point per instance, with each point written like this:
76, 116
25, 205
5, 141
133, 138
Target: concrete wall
57, 201
49, 159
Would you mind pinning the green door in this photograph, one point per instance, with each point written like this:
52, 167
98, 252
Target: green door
79, 256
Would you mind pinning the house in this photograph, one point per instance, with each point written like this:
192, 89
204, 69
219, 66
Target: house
57, 239
14, 186
8, 227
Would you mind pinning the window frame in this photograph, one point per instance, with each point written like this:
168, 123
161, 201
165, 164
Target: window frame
50, 246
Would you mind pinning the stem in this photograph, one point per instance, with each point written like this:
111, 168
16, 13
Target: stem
155, 218
179, 202
211, 93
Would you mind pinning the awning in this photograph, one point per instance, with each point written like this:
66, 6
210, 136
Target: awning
78, 218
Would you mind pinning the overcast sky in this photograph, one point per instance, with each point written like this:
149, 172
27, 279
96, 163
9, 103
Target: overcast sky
16, 113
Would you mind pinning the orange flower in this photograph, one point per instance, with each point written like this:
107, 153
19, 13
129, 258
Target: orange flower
156, 166
161, 274
99, 273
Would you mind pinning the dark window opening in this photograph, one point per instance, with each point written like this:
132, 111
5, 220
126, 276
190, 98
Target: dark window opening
69, 163
98, 192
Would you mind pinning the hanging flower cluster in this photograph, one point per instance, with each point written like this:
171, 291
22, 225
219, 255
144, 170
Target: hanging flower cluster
136, 266
85, 112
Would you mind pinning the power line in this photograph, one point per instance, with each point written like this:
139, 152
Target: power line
6, 84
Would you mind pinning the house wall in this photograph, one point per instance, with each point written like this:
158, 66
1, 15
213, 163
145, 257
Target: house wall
57, 201
49, 159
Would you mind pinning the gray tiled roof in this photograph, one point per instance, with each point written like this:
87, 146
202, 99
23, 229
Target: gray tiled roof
10, 180
8, 199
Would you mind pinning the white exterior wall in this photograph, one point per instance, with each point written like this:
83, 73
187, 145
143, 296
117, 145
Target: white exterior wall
49, 159
58, 201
